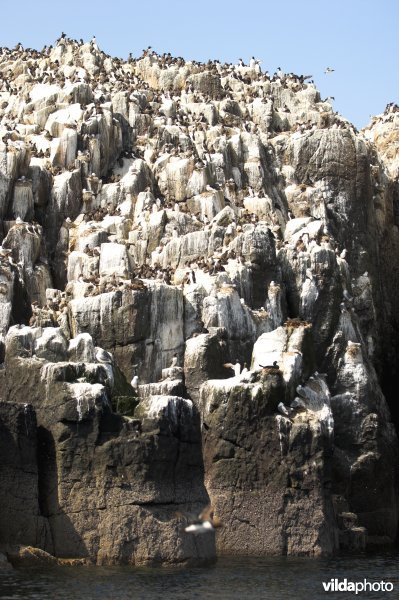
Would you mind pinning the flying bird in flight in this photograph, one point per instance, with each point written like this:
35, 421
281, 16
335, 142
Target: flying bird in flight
206, 522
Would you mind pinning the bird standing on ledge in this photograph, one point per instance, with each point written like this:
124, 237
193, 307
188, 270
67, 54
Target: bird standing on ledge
236, 367
273, 366
103, 357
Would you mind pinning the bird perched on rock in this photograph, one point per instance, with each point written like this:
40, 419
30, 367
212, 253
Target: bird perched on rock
347, 295
236, 367
174, 361
273, 366
343, 308
309, 274
298, 404
102, 356
5, 251
135, 382
320, 375
30, 230
249, 377
301, 391
205, 522
282, 409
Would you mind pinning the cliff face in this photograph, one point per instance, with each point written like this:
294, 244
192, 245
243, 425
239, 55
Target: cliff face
102, 486
160, 219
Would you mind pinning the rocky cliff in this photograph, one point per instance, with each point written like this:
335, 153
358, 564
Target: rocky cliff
197, 304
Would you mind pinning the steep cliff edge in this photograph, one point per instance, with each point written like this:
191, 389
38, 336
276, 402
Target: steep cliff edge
160, 220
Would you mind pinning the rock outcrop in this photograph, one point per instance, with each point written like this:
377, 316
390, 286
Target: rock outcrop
197, 304
103, 487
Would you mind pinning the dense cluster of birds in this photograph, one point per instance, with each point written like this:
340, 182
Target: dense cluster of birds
41, 67
170, 124
44, 68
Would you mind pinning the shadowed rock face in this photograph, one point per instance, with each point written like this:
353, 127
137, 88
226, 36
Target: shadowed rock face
21, 520
280, 472
163, 223
100, 485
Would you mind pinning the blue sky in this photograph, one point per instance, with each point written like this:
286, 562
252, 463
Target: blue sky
359, 38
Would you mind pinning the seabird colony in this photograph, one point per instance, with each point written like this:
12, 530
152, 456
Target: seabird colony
151, 140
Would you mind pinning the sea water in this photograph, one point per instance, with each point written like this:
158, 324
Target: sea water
232, 578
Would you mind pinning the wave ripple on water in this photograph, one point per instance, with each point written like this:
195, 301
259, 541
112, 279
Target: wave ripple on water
232, 578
